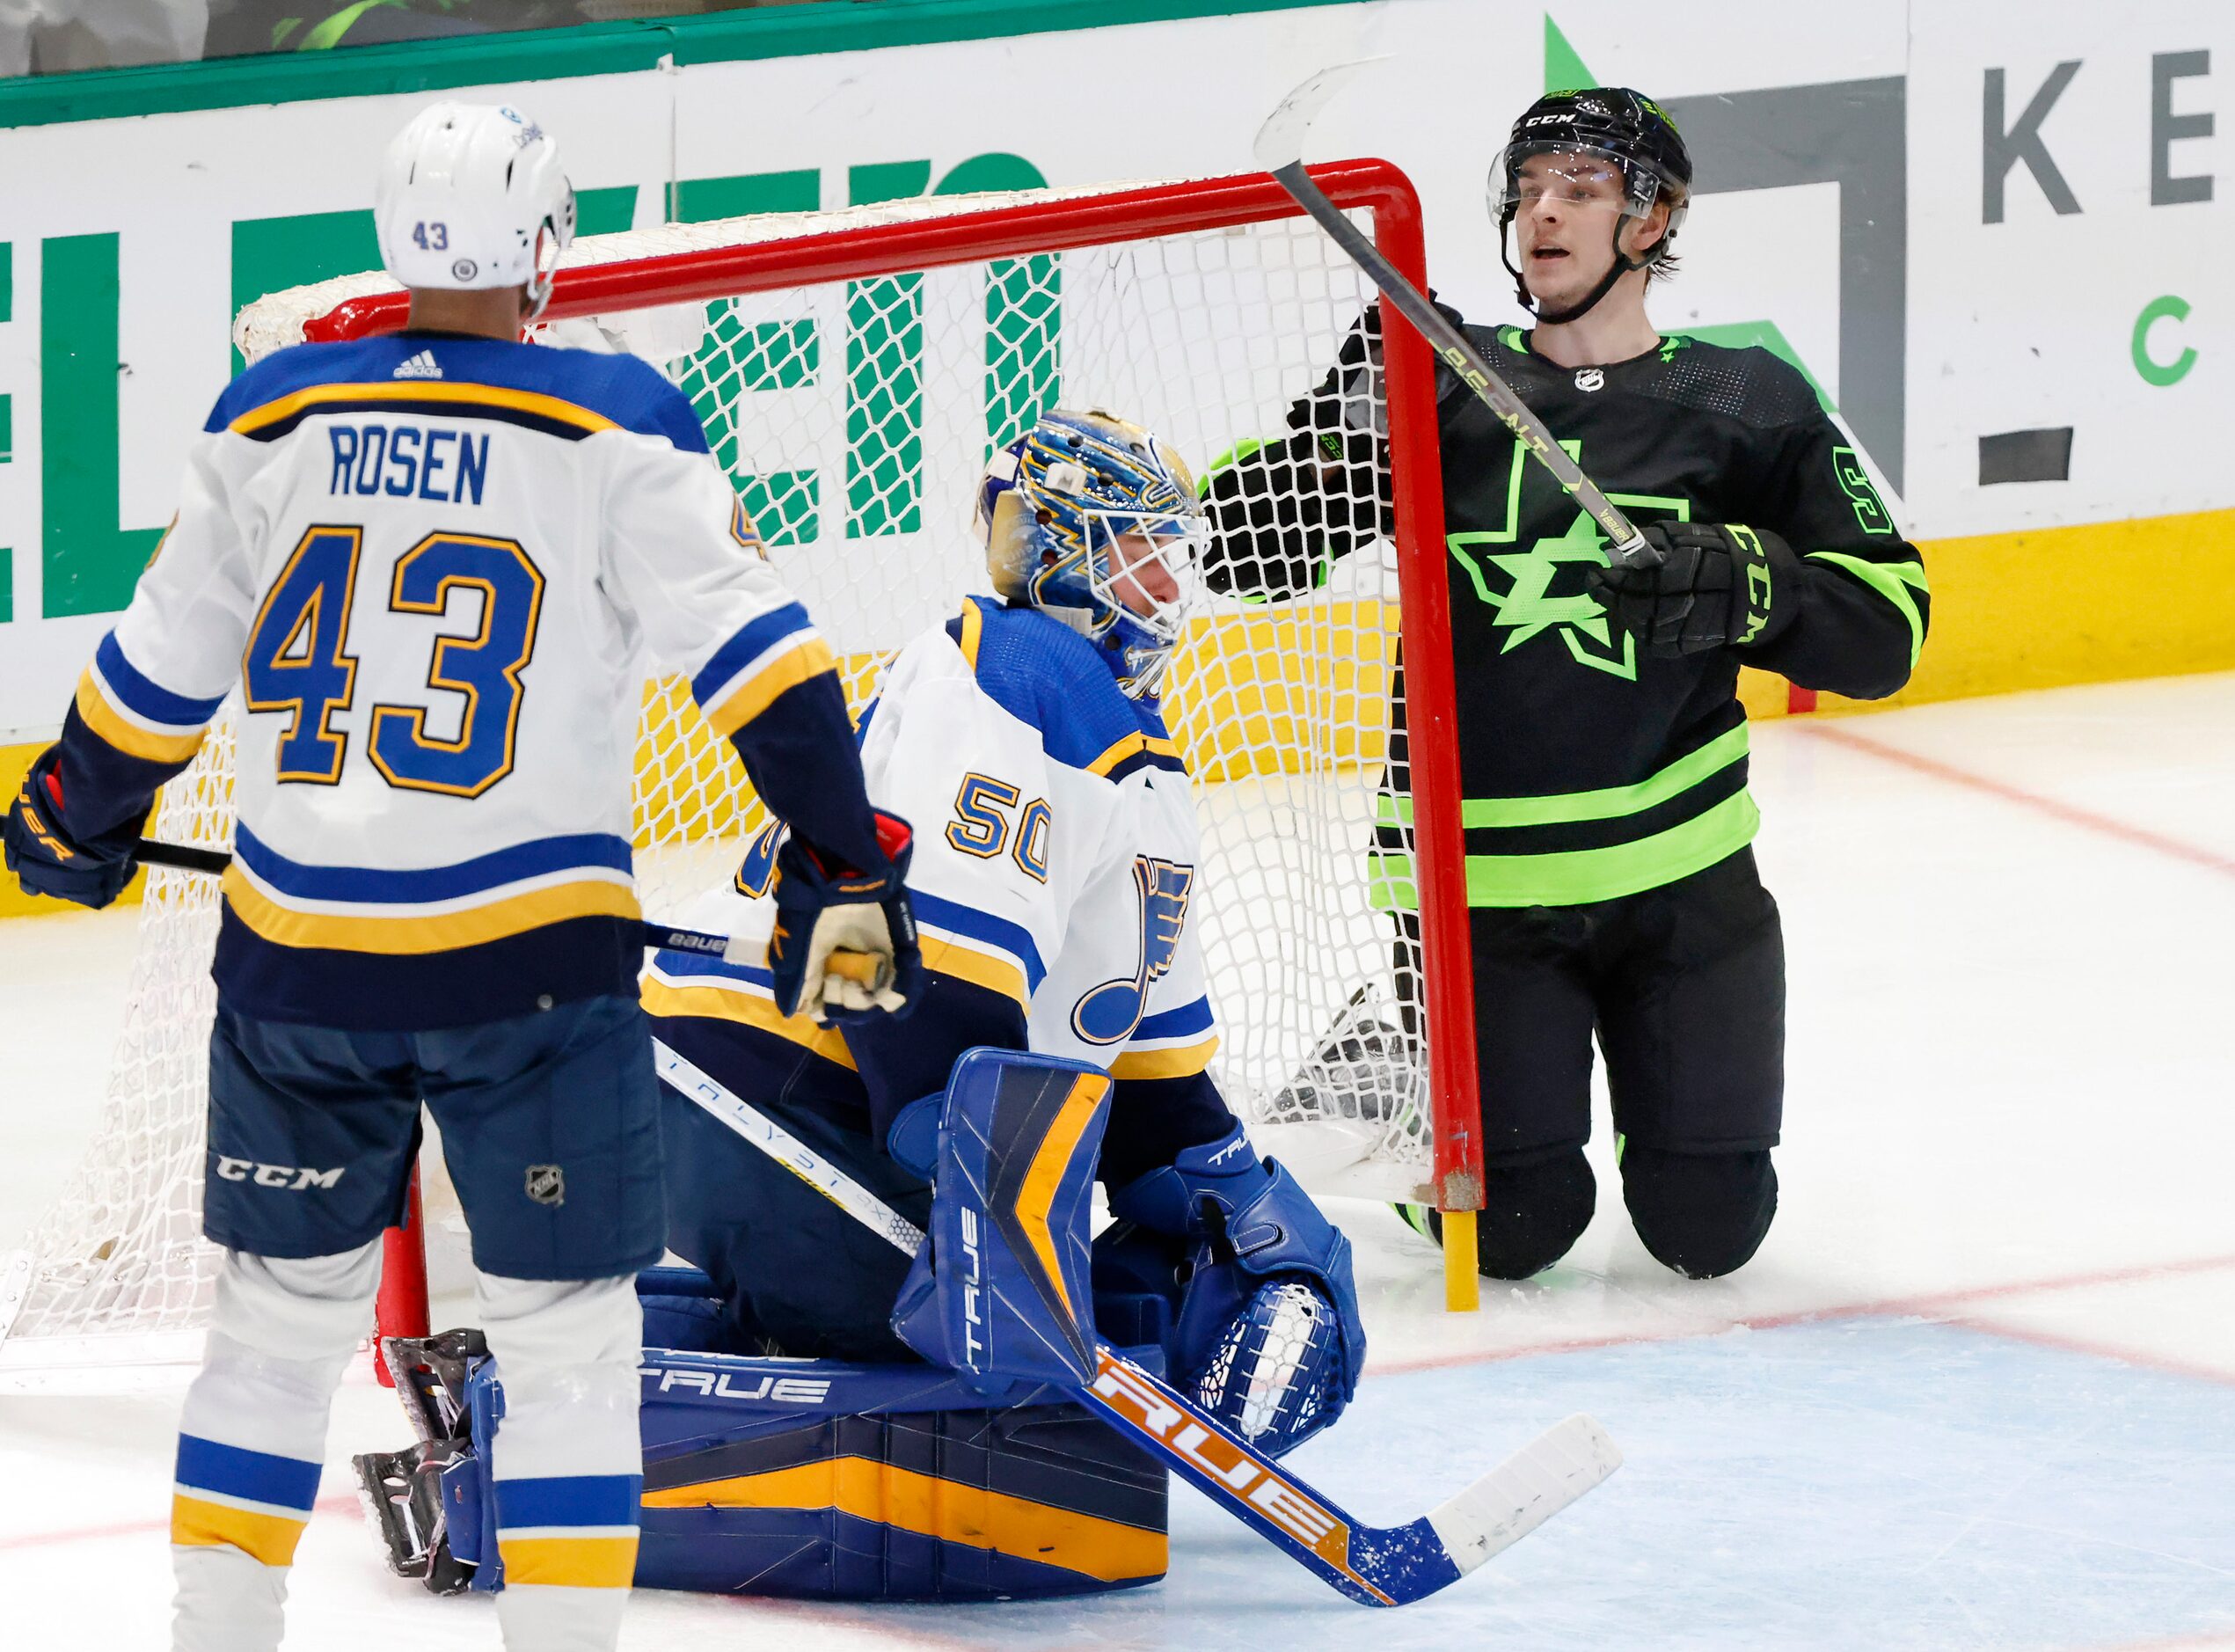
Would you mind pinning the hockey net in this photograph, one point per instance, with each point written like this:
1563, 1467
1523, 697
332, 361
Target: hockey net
853, 371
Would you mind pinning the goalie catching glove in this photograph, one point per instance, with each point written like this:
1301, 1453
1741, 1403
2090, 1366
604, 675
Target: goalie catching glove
1714, 587
1264, 1331
845, 943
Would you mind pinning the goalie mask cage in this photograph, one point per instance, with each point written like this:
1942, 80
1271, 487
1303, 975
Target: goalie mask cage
854, 369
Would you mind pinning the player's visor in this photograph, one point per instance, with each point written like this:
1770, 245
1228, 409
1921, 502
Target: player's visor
1576, 179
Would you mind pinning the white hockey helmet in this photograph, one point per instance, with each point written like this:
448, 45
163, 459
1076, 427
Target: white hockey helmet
471, 198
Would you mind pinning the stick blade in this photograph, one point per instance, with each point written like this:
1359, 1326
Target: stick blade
1280, 141
1524, 1491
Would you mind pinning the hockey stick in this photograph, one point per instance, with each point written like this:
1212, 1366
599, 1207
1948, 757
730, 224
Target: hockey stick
1280, 150
187, 857
1377, 1566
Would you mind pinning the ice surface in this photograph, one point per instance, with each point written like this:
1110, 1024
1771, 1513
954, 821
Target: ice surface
1978, 1390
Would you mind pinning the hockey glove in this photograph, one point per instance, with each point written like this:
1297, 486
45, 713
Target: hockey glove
1347, 412
844, 944
1265, 1331
1714, 587
48, 859
1282, 512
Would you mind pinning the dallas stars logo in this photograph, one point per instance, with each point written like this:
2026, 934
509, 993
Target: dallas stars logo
1526, 608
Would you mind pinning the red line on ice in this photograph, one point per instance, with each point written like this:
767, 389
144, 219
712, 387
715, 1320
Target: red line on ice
139, 1528
2072, 814
1924, 1306
2093, 1349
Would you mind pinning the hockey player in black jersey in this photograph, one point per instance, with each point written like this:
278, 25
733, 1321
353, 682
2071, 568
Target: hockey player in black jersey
1602, 745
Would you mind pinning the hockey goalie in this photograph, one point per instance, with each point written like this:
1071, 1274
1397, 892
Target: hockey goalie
823, 1414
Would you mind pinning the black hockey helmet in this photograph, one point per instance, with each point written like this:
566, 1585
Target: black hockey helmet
1624, 127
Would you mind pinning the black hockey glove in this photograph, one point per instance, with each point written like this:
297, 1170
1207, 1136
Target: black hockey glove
1346, 412
44, 856
1282, 512
1716, 586
844, 945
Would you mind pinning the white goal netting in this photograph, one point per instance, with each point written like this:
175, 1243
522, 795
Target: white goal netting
855, 417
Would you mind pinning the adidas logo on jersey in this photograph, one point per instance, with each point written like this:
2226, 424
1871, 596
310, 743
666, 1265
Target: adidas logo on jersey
420, 366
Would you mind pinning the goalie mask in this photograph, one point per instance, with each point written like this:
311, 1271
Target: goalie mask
1095, 521
1578, 141
471, 198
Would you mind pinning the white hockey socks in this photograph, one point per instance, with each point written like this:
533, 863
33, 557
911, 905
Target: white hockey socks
253, 1436
567, 1462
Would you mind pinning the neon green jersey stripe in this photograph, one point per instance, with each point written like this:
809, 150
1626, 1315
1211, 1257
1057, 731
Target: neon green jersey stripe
1680, 776
1389, 882
1576, 877
1892, 580
1608, 804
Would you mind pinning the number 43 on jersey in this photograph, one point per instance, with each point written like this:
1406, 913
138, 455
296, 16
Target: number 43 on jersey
298, 660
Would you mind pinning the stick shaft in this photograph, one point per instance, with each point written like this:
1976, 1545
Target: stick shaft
1626, 546
787, 1150
184, 857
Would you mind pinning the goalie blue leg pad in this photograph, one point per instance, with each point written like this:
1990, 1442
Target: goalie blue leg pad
1002, 1291
929, 1495
828, 1480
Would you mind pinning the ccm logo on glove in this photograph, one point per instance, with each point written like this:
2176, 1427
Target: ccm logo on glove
1716, 586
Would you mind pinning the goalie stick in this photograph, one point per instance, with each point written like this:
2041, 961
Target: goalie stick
1377, 1566
653, 936
1280, 150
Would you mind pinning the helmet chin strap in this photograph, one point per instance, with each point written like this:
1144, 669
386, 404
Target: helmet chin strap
1143, 676
1622, 265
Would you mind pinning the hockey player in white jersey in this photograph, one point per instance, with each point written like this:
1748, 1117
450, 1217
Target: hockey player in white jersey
439, 566
1055, 881
1055, 886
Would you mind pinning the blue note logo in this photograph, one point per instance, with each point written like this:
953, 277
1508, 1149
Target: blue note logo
1108, 1013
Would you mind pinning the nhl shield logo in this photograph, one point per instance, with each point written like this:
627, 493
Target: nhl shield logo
547, 1184
1590, 378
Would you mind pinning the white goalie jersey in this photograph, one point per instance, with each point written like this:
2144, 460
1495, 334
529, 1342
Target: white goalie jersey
1055, 857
